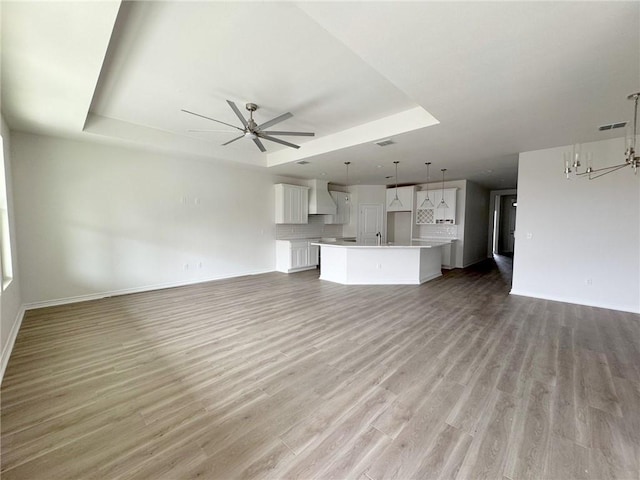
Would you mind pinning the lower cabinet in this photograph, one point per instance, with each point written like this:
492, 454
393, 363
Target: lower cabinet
296, 255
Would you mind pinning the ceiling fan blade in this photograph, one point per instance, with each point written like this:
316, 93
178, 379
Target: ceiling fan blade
237, 112
259, 144
298, 134
277, 140
231, 141
225, 131
273, 121
213, 119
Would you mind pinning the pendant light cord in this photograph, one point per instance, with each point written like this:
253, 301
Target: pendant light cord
396, 162
635, 123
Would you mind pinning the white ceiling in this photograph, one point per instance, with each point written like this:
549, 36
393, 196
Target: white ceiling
499, 77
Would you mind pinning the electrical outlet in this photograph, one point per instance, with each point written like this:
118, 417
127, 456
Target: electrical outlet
529, 235
185, 266
588, 281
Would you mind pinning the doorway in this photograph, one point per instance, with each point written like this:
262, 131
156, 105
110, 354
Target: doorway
505, 233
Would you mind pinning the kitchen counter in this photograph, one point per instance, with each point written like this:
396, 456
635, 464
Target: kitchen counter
350, 263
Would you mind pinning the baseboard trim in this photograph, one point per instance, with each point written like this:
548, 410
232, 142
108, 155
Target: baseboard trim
468, 264
555, 298
8, 348
430, 277
126, 291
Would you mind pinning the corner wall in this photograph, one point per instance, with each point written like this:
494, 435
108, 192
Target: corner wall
578, 241
475, 225
11, 311
95, 220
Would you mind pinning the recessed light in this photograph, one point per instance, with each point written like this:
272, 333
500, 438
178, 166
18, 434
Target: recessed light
384, 143
324, 174
303, 162
379, 166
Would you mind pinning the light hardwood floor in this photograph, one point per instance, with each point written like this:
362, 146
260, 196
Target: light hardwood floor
284, 376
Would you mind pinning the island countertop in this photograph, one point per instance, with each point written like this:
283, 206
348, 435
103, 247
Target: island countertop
415, 243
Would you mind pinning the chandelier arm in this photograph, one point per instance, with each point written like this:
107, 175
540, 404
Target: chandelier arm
609, 170
612, 167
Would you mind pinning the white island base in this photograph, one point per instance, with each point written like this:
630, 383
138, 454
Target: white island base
352, 264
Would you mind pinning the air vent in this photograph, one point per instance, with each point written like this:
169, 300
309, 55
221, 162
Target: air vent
385, 143
611, 126
303, 162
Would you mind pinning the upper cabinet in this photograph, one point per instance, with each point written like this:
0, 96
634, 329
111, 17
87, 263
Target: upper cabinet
405, 197
292, 203
343, 214
435, 213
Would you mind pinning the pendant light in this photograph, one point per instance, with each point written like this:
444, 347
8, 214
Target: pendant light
346, 198
442, 203
427, 203
396, 201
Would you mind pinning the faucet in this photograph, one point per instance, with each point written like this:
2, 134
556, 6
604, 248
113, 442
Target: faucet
378, 238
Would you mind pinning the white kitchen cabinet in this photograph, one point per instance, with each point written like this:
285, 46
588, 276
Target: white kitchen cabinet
342, 215
405, 195
292, 203
314, 255
447, 257
296, 255
436, 215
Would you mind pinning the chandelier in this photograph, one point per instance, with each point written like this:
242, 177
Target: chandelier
572, 160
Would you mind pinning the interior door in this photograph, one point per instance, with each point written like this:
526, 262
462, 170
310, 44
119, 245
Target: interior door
507, 227
369, 223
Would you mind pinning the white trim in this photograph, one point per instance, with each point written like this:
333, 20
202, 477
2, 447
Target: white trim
622, 308
8, 348
126, 291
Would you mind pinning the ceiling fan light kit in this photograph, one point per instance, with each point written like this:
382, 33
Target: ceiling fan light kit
251, 130
572, 160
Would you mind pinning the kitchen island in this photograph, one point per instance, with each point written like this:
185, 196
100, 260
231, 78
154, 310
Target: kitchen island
410, 263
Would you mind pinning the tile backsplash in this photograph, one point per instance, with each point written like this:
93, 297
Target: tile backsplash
315, 228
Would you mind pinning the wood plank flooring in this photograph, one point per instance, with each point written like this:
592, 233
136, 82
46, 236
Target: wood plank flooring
285, 376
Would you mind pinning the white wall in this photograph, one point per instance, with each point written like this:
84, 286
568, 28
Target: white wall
95, 219
11, 311
579, 230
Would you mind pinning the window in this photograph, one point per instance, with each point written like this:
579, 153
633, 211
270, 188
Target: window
5, 237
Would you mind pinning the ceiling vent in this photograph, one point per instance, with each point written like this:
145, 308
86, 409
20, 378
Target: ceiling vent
611, 126
385, 143
303, 162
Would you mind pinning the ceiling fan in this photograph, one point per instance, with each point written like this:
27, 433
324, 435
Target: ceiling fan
254, 131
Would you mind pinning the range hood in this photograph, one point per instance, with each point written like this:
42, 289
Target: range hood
320, 202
